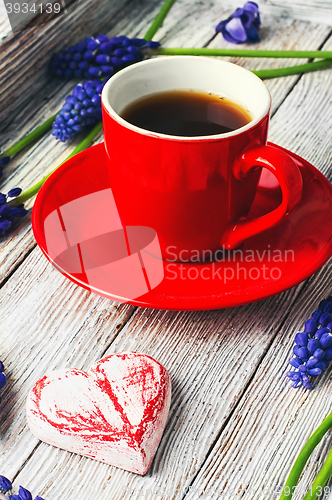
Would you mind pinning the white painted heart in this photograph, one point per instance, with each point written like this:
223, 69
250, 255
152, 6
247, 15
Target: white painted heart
115, 413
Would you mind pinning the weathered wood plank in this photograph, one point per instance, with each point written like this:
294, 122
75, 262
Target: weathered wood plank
307, 10
47, 323
211, 357
303, 124
273, 421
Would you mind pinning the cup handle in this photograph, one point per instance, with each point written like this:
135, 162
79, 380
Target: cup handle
289, 178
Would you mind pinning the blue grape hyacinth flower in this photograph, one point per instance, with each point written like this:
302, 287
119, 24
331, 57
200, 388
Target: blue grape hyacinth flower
82, 109
3, 382
242, 26
7, 213
5, 484
23, 493
98, 57
313, 347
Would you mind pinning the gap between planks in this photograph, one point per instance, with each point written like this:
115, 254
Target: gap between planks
200, 345
301, 289
249, 414
290, 90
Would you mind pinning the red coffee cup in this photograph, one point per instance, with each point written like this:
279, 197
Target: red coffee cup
195, 192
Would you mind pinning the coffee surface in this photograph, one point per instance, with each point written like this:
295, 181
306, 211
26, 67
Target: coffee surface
187, 113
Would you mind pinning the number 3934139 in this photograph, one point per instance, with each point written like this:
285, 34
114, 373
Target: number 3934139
36, 8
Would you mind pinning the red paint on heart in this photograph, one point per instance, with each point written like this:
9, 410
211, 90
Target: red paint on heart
115, 413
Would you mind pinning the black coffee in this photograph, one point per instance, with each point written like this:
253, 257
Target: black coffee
186, 113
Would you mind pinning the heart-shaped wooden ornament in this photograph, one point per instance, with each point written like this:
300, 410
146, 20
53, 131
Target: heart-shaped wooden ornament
115, 413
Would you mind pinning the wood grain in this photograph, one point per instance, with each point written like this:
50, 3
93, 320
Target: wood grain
211, 358
5, 28
273, 421
25, 55
315, 11
234, 421
56, 325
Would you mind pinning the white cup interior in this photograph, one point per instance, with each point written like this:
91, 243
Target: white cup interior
186, 73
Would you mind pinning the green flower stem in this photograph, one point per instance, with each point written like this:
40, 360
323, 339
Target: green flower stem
321, 479
47, 125
262, 73
34, 135
292, 70
288, 54
302, 459
29, 193
159, 19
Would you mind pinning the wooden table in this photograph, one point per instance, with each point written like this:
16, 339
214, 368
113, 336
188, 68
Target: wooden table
235, 424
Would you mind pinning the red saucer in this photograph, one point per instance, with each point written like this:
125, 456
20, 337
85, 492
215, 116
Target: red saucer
77, 226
